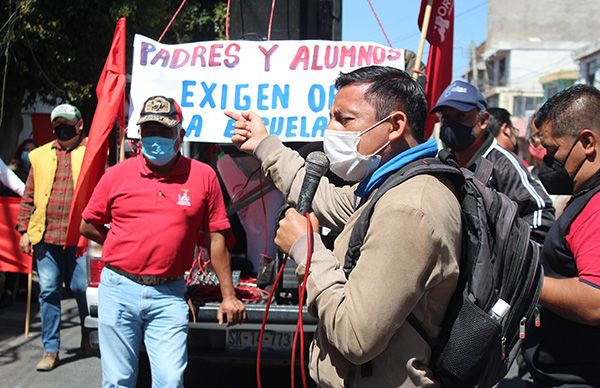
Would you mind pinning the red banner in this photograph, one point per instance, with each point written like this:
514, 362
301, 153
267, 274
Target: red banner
11, 257
440, 36
111, 108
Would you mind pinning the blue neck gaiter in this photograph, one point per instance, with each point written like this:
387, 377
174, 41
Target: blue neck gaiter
424, 150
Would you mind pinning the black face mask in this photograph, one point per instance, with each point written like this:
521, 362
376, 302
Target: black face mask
65, 131
457, 136
555, 177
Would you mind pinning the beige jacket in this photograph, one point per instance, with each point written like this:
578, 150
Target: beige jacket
408, 263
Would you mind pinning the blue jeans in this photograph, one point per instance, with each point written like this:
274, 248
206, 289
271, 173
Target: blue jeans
129, 313
56, 266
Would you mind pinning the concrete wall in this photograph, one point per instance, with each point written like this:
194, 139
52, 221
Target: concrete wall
537, 38
540, 22
583, 69
527, 66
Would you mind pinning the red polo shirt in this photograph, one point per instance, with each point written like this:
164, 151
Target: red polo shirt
155, 221
584, 241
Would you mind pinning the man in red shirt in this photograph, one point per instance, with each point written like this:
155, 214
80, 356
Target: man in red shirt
159, 205
563, 351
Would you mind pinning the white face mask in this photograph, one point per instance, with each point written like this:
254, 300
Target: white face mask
341, 147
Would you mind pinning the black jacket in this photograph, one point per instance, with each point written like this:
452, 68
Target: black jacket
511, 177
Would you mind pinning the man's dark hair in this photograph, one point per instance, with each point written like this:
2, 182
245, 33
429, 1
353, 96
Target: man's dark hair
391, 89
500, 116
571, 110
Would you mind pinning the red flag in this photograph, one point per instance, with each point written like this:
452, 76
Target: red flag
11, 257
440, 36
111, 107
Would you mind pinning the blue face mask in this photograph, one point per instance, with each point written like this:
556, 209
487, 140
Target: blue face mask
158, 150
25, 158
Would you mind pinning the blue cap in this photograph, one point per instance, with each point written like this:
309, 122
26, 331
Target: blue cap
461, 96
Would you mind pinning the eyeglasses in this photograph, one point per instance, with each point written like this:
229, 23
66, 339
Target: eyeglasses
534, 138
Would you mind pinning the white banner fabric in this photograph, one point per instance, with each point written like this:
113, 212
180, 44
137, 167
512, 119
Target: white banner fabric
288, 83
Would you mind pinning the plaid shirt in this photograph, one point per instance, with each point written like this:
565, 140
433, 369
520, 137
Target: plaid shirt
59, 203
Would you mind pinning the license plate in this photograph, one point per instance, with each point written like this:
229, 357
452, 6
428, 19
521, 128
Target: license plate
247, 340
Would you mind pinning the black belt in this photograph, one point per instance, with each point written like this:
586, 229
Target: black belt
145, 280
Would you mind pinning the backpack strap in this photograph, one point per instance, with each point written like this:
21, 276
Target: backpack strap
444, 164
483, 170
420, 329
418, 167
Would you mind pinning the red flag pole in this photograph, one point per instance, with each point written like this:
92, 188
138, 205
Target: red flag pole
424, 31
440, 36
110, 92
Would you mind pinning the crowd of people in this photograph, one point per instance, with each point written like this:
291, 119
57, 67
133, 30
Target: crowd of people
410, 267
410, 257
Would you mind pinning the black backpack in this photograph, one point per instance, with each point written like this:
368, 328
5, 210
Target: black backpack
498, 261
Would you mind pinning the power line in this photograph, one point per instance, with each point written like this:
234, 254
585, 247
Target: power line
538, 72
379, 22
465, 12
475, 7
40, 66
9, 35
10, 18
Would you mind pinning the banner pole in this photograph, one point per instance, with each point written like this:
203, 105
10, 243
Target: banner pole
424, 31
28, 308
122, 147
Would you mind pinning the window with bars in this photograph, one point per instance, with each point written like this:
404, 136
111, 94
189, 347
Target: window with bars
523, 104
590, 72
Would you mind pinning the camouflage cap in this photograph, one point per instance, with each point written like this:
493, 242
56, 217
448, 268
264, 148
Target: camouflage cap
162, 110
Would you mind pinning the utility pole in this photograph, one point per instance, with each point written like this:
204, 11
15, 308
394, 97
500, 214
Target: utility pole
474, 67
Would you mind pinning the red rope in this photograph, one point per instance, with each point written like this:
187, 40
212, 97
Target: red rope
266, 222
264, 322
173, 18
309, 239
271, 20
227, 20
301, 292
379, 22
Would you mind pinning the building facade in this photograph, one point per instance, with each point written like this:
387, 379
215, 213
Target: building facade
588, 58
527, 41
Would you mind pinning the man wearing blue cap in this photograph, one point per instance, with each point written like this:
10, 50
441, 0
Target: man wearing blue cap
43, 220
464, 129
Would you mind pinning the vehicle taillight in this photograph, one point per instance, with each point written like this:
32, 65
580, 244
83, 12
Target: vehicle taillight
94, 263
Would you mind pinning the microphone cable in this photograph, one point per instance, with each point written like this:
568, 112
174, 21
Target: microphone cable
301, 291
299, 324
264, 322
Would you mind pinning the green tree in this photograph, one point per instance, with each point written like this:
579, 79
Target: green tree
54, 51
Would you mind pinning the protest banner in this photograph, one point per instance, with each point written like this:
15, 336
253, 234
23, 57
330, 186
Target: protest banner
289, 83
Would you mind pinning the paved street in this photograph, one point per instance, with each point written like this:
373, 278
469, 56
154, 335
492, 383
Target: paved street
19, 355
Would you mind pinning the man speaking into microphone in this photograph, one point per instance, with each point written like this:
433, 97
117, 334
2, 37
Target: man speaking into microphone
409, 256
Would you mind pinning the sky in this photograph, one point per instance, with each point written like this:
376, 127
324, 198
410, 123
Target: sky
399, 20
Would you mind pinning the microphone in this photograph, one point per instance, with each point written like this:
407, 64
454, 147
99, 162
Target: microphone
316, 166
